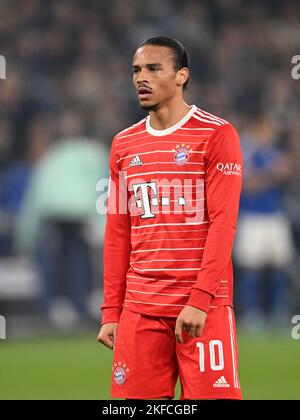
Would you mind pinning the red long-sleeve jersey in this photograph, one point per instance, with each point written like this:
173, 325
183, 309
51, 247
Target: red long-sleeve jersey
171, 217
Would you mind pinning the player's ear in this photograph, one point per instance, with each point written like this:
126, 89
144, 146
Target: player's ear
182, 76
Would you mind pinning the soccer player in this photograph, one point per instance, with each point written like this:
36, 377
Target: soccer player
173, 202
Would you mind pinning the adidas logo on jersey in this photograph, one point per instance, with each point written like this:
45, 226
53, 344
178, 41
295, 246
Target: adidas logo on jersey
221, 383
136, 161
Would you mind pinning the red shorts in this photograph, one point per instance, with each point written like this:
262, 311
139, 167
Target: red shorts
148, 360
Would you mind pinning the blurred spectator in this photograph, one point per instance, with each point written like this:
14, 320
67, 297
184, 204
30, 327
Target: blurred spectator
59, 206
263, 239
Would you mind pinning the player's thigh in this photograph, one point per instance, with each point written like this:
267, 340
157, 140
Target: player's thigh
144, 363
208, 365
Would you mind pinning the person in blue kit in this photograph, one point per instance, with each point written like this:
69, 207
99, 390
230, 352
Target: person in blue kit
264, 239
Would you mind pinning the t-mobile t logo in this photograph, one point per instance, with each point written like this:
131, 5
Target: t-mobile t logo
145, 202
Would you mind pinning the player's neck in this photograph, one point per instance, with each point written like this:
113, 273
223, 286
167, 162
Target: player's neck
168, 115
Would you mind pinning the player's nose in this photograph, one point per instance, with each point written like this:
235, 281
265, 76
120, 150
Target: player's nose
142, 77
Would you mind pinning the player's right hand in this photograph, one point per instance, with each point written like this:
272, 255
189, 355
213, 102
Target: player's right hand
108, 334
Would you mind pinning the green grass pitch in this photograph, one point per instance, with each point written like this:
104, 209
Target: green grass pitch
79, 368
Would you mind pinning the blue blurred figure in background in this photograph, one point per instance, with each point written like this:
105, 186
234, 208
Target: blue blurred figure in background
264, 243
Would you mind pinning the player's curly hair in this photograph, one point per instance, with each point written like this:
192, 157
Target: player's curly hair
179, 52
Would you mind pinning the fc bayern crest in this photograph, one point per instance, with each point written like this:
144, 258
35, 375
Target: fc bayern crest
120, 373
181, 154
119, 376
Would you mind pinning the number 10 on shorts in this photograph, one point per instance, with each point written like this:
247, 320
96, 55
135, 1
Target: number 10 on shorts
216, 355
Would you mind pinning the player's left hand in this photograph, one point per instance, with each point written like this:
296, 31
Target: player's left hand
192, 320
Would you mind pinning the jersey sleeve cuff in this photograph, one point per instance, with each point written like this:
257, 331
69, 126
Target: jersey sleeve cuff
110, 315
200, 299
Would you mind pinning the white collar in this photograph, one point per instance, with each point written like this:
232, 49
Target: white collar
171, 129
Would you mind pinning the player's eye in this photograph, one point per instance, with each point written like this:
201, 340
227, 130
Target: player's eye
135, 70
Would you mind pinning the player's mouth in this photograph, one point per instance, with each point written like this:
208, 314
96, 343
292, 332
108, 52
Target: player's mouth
144, 93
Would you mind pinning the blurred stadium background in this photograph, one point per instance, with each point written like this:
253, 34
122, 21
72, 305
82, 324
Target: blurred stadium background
67, 92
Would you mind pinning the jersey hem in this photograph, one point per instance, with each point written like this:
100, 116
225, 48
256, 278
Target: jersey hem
174, 316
